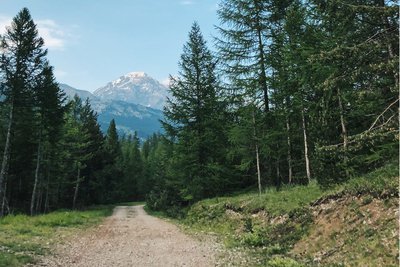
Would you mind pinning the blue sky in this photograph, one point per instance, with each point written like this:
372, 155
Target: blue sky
92, 42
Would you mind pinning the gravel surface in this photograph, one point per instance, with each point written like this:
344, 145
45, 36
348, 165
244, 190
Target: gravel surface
130, 237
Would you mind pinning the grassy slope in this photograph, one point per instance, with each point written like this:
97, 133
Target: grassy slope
353, 224
23, 237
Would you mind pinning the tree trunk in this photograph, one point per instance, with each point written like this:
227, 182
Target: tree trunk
261, 56
306, 145
36, 174
46, 201
289, 150
4, 204
278, 176
342, 121
39, 198
257, 155
76, 187
6, 155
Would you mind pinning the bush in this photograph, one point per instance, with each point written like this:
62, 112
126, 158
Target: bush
167, 200
283, 262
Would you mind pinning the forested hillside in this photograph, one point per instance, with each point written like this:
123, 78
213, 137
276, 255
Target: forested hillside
292, 92
296, 91
53, 152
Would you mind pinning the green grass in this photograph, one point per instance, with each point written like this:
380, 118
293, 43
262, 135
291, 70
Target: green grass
247, 220
381, 182
274, 202
23, 237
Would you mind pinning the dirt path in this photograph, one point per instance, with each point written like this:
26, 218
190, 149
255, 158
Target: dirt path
130, 237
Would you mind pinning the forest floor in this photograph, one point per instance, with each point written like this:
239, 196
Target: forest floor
130, 237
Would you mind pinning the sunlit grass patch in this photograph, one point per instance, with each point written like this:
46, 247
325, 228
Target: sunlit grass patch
22, 237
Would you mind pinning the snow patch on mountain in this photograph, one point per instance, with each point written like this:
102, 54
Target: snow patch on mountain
137, 88
129, 117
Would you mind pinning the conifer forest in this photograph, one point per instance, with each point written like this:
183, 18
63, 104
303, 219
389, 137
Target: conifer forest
289, 93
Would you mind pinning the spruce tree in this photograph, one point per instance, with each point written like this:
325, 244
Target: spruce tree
75, 145
244, 51
112, 174
91, 186
194, 116
49, 111
22, 59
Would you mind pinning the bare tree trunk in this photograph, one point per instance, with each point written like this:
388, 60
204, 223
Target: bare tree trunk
257, 154
306, 145
4, 203
6, 155
344, 129
46, 201
39, 198
278, 176
342, 121
289, 150
76, 187
36, 174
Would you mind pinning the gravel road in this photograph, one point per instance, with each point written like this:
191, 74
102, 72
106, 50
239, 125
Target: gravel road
130, 237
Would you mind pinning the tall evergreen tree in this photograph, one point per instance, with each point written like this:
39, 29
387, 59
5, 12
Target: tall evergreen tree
244, 50
112, 175
49, 109
22, 59
194, 116
75, 145
91, 186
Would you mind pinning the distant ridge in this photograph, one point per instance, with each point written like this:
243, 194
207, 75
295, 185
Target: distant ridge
71, 91
129, 117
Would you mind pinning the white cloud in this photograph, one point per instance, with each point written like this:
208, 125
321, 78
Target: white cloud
55, 36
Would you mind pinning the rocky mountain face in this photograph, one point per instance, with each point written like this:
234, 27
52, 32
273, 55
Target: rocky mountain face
134, 101
135, 87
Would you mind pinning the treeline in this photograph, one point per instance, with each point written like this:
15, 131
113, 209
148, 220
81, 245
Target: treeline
295, 91
53, 152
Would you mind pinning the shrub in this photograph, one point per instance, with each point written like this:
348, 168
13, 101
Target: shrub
283, 262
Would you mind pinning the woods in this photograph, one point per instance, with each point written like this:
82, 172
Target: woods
293, 91
53, 152
302, 85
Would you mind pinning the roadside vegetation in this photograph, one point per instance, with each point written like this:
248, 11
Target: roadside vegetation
354, 223
24, 238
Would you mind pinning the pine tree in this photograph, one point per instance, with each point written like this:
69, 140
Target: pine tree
194, 116
112, 145
244, 51
76, 142
112, 173
22, 59
91, 186
133, 183
49, 109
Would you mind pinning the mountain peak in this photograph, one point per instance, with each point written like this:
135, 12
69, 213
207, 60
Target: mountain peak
137, 74
137, 88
